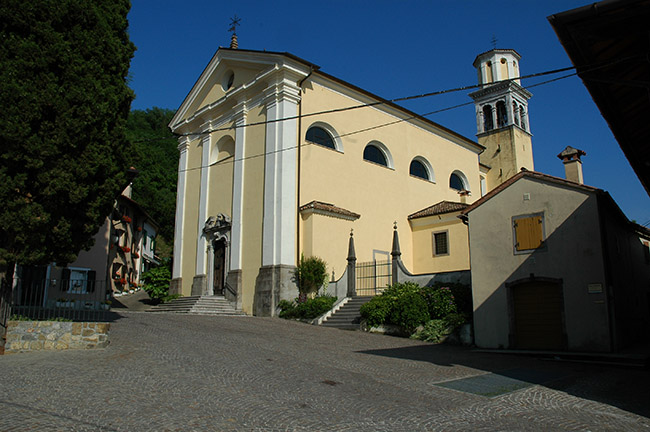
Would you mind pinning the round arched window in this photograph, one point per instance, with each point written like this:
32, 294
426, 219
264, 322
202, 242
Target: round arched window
320, 136
372, 154
456, 182
417, 169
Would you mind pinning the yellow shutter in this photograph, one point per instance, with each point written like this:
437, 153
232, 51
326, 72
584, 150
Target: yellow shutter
528, 233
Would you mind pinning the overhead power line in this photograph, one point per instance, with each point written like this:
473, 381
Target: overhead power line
231, 159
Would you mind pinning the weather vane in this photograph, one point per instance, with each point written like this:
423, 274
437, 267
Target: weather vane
234, 22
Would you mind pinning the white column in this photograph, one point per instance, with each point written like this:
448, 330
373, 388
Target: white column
238, 188
183, 147
279, 227
201, 244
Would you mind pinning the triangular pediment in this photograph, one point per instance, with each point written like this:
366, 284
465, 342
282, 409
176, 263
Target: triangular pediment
228, 71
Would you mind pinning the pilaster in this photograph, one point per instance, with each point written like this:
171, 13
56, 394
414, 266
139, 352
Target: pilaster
238, 187
279, 226
183, 148
201, 244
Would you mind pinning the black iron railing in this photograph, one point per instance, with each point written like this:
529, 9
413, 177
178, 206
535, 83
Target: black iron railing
76, 300
373, 277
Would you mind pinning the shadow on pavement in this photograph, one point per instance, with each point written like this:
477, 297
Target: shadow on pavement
623, 387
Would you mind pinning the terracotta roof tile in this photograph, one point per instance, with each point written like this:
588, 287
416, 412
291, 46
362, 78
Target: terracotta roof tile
329, 208
440, 208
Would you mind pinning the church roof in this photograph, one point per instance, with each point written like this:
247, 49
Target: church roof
315, 69
440, 208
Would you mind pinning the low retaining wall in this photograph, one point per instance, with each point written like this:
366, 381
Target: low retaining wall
23, 336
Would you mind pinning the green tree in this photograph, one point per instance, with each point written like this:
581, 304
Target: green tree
64, 98
156, 158
310, 275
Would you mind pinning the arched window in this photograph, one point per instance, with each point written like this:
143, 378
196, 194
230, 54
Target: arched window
515, 110
320, 136
522, 114
372, 153
502, 115
487, 118
457, 181
418, 168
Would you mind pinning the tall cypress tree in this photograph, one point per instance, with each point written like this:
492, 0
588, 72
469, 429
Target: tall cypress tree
64, 101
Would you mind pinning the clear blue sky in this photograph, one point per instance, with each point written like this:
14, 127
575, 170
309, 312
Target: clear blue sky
393, 49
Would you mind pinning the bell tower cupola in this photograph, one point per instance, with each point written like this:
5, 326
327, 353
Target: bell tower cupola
502, 121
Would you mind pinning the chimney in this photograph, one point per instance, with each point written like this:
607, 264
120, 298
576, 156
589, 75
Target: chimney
572, 164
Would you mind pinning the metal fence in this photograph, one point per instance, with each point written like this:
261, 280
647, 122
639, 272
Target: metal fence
76, 300
373, 277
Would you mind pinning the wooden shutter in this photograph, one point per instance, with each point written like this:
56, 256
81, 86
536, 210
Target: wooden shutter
91, 281
529, 233
65, 280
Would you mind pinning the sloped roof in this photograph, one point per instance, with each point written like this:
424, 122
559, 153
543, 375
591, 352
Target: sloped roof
609, 45
315, 69
531, 175
440, 208
325, 208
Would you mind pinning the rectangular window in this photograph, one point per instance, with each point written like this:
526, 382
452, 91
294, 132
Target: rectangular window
528, 232
440, 243
78, 280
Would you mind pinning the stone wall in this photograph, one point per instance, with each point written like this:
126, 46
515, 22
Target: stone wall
23, 336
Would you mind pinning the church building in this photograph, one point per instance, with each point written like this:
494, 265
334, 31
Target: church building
279, 159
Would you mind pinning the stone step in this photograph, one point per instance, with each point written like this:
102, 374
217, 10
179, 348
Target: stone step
348, 316
199, 305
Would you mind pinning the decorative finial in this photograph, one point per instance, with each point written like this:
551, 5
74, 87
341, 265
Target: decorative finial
494, 42
395, 225
351, 231
234, 22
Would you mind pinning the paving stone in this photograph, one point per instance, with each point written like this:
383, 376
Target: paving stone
199, 373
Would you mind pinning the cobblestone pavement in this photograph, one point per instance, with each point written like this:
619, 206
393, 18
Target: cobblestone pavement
195, 373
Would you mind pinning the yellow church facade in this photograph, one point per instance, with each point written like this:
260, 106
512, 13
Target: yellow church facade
279, 159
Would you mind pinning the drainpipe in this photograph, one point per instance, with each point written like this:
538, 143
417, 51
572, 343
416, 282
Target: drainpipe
300, 83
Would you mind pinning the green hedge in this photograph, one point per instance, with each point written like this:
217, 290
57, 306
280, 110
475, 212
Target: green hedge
309, 309
409, 305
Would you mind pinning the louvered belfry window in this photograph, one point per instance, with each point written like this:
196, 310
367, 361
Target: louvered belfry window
529, 232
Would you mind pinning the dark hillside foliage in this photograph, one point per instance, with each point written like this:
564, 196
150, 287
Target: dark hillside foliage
156, 158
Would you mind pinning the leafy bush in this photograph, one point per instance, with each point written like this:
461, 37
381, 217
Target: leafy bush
440, 301
401, 304
156, 283
409, 310
310, 275
309, 309
437, 330
377, 310
409, 305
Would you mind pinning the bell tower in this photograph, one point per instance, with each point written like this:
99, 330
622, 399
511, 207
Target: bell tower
502, 116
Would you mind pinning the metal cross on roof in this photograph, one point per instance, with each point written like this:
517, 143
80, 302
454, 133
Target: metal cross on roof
494, 42
234, 22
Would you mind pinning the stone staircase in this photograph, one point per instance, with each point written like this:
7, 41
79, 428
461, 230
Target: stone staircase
199, 305
348, 316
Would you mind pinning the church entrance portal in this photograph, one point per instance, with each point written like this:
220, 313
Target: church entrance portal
219, 267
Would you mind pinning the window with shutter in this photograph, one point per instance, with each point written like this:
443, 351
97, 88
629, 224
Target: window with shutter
528, 232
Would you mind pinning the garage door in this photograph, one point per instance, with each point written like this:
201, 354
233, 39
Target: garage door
538, 323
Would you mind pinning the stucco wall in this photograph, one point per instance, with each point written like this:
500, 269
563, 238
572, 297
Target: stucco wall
253, 206
572, 253
424, 260
380, 195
